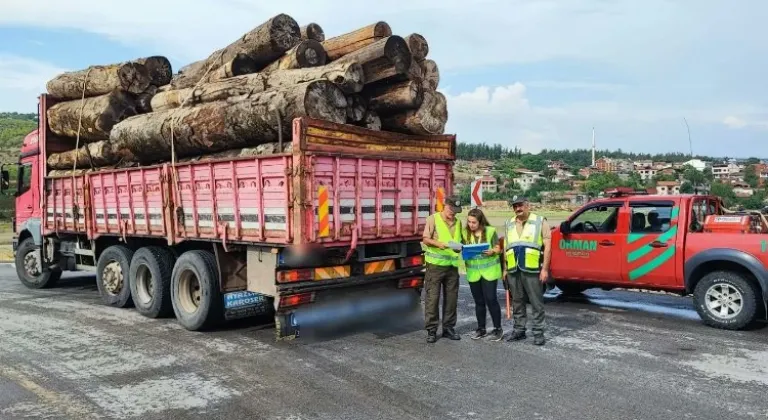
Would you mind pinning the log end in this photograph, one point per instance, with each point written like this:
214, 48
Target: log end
418, 46
372, 121
310, 53
313, 31
352, 80
243, 64
160, 70
284, 32
323, 100
381, 29
134, 77
398, 53
356, 108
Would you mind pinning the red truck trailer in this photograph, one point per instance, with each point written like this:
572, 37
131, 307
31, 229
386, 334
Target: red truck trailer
341, 215
683, 244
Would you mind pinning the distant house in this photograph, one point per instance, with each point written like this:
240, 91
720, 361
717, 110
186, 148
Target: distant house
668, 188
526, 178
488, 183
742, 190
586, 172
697, 164
573, 198
667, 171
647, 172
557, 165
605, 164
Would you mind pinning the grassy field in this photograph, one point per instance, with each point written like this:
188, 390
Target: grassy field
6, 238
498, 217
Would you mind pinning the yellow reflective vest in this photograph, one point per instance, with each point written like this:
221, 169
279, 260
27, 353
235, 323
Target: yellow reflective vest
444, 257
484, 266
524, 251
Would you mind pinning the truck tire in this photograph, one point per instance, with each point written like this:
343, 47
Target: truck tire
112, 276
29, 268
150, 274
726, 300
571, 289
195, 292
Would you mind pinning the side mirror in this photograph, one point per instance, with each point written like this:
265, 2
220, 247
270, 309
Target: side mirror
5, 182
565, 227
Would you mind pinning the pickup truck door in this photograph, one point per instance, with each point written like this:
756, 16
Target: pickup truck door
652, 243
592, 250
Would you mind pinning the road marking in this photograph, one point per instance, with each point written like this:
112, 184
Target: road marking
62, 402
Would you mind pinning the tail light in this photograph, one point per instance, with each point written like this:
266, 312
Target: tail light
290, 276
410, 282
296, 300
413, 261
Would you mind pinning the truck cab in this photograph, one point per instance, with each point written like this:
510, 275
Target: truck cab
683, 244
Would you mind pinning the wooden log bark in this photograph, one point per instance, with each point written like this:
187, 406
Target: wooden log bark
260, 150
264, 44
431, 75
94, 154
100, 114
241, 64
418, 46
356, 108
308, 53
389, 99
159, 68
342, 45
430, 118
216, 126
313, 31
144, 100
384, 58
347, 76
131, 77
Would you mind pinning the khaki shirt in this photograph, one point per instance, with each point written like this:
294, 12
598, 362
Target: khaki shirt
546, 232
429, 228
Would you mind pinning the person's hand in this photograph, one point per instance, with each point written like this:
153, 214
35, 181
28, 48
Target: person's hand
489, 252
442, 245
543, 276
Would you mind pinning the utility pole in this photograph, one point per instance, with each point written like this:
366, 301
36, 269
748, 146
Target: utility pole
593, 147
690, 143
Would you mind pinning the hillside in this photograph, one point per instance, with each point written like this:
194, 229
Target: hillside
13, 128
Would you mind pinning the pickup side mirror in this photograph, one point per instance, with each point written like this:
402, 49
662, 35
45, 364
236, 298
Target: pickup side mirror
5, 182
565, 227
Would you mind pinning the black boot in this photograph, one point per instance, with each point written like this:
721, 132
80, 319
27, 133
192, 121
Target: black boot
539, 340
431, 336
517, 336
450, 333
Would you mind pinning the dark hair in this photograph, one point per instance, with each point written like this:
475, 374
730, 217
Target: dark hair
481, 220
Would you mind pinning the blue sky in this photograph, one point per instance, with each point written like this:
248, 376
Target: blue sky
533, 74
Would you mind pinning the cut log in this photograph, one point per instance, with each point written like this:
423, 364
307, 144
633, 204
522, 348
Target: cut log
216, 126
371, 121
342, 45
94, 154
264, 44
430, 118
241, 64
144, 100
389, 99
159, 68
131, 77
308, 53
313, 31
384, 58
356, 108
260, 150
431, 75
347, 76
100, 114
418, 46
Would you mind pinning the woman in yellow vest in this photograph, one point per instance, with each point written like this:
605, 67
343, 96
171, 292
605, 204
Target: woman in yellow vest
483, 273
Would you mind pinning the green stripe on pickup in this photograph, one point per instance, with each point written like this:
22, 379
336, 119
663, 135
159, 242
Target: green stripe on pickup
651, 265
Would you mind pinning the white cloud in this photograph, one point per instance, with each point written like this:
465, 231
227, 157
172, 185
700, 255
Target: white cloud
734, 122
22, 80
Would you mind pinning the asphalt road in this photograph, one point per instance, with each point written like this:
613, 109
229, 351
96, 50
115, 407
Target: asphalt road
614, 355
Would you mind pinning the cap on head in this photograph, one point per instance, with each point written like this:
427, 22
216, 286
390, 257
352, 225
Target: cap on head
453, 202
518, 199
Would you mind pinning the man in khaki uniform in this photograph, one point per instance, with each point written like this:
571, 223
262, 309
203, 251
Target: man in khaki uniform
528, 252
441, 242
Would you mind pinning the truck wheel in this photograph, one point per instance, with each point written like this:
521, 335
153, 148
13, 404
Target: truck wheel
150, 275
112, 276
726, 300
571, 289
29, 267
195, 293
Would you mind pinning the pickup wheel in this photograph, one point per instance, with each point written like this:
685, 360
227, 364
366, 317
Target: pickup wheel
726, 300
29, 268
571, 289
150, 274
195, 292
112, 276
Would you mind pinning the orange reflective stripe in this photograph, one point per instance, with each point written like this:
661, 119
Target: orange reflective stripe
327, 273
379, 266
323, 224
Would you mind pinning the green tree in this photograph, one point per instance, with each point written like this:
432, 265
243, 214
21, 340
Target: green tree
686, 188
751, 177
694, 176
725, 192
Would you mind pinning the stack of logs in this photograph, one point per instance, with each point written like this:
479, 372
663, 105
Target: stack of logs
245, 96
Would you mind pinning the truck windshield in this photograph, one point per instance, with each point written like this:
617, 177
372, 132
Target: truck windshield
24, 179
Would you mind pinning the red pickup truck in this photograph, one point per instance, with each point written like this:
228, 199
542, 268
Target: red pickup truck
685, 244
